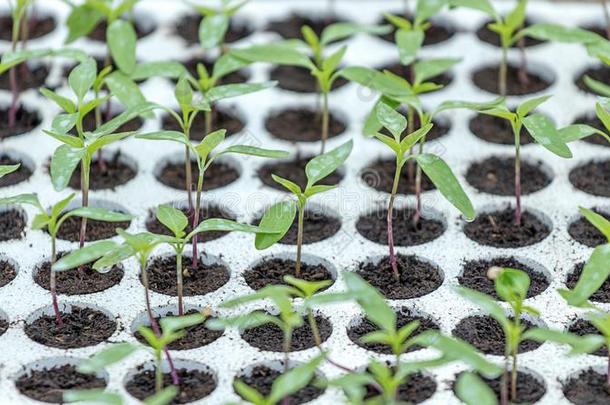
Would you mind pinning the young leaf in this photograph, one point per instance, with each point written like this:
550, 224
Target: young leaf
278, 217
63, 123
309, 288
210, 142
598, 221
603, 115
293, 380
594, 274
481, 5
224, 225
212, 30
173, 219
125, 89
339, 31
81, 21
184, 93
82, 77
106, 357
445, 181
280, 54
597, 86
63, 164
559, 33
373, 304
512, 285
471, 390
424, 9
92, 396
173, 136
130, 113
29, 199
392, 120
289, 185
429, 68
99, 214
487, 304
578, 344
323, 165
235, 90
84, 255
170, 324
410, 140
409, 43
121, 38
64, 103
163, 397
530, 105
255, 151
248, 393
146, 70
8, 169
541, 128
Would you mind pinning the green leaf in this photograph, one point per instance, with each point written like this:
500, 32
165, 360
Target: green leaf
93, 396
320, 188
278, 217
170, 324
371, 301
173, 136
293, 380
227, 63
391, 119
309, 288
331, 63
224, 225
64, 122
340, 31
30, 199
480, 5
58, 208
212, 30
209, 143
121, 38
409, 43
82, 77
597, 86
184, 93
242, 322
248, 393
173, 219
322, 165
114, 257
559, 33
372, 125
235, 90
69, 140
542, 129
99, 214
530, 105
512, 285
8, 169
255, 151
63, 163
280, 54
471, 390
576, 132
578, 344
143, 71
130, 113
287, 184
411, 140
163, 397
458, 104
516, 18
487, 304
598, 221
424, 9
81, 21
603, 115
106, 357
102, 141
445, 181
430, 68
84, 255
64, 103
126, 90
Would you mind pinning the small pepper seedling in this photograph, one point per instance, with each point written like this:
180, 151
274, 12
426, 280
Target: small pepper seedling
203, 152
325, 69
281, 216
52, 220
215, 22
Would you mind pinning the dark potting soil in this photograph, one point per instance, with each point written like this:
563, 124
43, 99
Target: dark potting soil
3, 326
587, 388
81, 327
599, 73
592, 178
115, 173
293, 170
435, 34
301, 125
194, 384
598, 29
273, 270
582, 231
7, 272
417, 277
12, 225
221, 119
582, 327
496, 130
90, 125
601, 295
403, 71
188, 29
83, 280
25, 122
38, 26
270, 337
207, 212
99, 32
200, 281
487, 79
492, 38
474, 275
404, 316
19, 175
28, 77
96, 230
290, 27
498, 229
380, 176
496, 175
262, 377
299, 79
241, 76
529, 388
49, 384
196, 335
417, 389
317, 226
374, 227
218, 175
593, 121
486, 334
440, 128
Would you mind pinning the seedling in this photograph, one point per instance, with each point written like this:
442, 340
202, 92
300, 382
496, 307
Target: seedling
424, 10
215, 23
52, 221
281, 216
8, 169
203, 151
434, 167
82, 148
285, 385
325, 69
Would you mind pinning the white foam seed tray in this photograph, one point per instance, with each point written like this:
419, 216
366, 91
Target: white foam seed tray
558, 202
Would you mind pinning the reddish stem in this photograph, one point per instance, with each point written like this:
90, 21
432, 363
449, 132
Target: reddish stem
518, 210
393, 263
53, 284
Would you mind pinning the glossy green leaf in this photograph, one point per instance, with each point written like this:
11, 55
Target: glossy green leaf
102, 141
340, 31
317, 189
322, 165
106, 357
412, 139
81, 21
559, 33
578, 344
430, 68
459, 104
445, 181
114, 257
487, 304
173, 219
82, 77
287, 184
278, 217
173, 136
224, 225
294, 380
242, 322
235, 90
472, 390
209, 143
64, 103
212, 30
256, 151
542, 129
30, 199
163, 397
598, 221
92, 396
184, 93
274, 53
516, 18
8, 169
530, 105
598, 87
480, 5
309, 288
99, 214
143, 71
126, 90
372, 125
576, 132
248, 393
84, 255
170, 324
391, 119
390, 142
603, 115
424, 9
63, 123
372, 302
59, 207
409, 43
227, 63
63, 163
121, 38
512, 285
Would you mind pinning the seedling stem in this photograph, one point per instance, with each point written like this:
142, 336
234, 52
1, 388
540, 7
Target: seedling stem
393, 264
297, 271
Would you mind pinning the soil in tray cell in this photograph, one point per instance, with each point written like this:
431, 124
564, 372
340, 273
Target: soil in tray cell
293, 170
270, 337
272, 271
301, 125
194, 385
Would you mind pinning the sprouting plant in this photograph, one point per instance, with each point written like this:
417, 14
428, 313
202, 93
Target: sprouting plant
424, 10
82, 148
281, 215
215, 22
53, 219
172, 329
310, 53
285, 385
541, 129
434, 167
8, 169
203, 151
